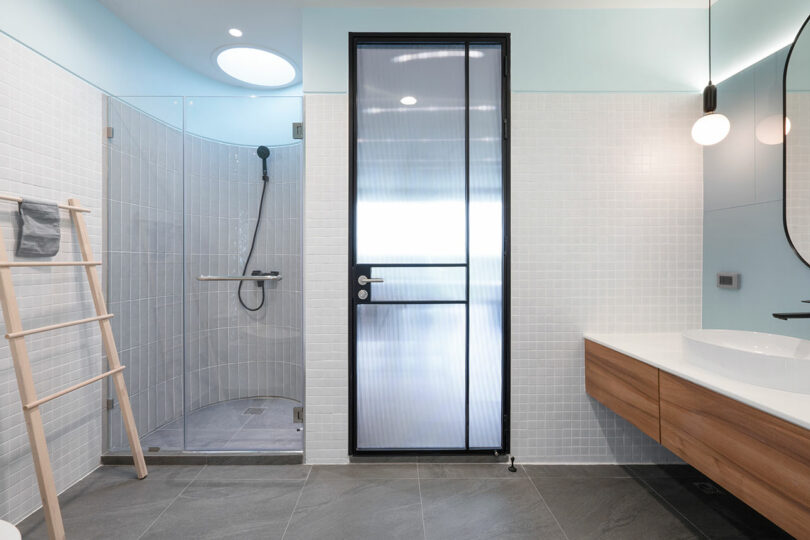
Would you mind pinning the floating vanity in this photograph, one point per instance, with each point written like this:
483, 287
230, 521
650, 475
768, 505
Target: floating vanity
735, 405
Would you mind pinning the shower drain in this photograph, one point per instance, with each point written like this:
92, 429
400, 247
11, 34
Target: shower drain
254, 410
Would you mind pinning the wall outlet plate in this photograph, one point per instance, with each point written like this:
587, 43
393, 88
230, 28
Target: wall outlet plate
728, 280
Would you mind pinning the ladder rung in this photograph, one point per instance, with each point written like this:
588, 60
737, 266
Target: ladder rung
61, 393
12, 198
22, 333
51, 263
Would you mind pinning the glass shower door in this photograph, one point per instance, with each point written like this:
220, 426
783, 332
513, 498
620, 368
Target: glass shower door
427, 258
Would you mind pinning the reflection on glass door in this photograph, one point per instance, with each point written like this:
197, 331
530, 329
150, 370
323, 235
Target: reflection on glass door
428, 251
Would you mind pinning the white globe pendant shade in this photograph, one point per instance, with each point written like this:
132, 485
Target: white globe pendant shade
711, 128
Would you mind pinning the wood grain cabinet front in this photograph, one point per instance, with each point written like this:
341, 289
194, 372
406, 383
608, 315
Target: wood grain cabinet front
761, 459
625, 385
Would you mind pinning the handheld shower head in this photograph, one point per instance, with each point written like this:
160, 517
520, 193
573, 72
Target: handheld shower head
263, 152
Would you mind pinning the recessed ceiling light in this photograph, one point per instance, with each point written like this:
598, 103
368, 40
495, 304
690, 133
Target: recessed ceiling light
256, 66
235, 32
408, 100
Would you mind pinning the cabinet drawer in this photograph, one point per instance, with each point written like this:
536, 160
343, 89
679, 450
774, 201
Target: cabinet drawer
763, 460
623, 384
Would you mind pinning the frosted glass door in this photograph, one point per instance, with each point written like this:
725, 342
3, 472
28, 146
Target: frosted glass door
434, 274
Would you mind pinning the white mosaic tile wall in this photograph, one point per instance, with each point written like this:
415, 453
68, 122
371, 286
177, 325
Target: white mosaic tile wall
50, 148
326, 256
606, 236
607, 213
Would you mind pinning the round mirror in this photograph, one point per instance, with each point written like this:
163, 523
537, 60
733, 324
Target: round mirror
796, 125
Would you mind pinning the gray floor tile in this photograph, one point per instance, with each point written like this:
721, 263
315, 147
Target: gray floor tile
225, 426
267, 439
227, 416
214, 508
665, 471
208, 439
485, 509
463, 459
384, 459
113, 502
480, 470
365, 471
577, 471
611, 508
255, 472
165, 439
713, 510
341, 507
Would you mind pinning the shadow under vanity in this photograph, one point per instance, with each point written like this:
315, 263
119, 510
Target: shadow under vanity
733, 399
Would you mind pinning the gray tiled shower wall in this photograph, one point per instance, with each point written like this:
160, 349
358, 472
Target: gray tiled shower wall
231, 353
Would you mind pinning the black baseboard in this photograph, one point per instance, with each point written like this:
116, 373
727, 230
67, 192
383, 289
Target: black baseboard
198, 458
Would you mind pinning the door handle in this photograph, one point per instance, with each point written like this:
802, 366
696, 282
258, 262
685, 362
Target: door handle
363, 280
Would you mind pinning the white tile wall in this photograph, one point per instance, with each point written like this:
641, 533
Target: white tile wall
606, 236
326, 255
50, 148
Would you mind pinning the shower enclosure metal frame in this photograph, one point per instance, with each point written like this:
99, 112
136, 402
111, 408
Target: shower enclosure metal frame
502, 39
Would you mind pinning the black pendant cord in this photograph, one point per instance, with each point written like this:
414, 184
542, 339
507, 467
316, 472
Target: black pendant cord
710, 42
250, 254
710, 92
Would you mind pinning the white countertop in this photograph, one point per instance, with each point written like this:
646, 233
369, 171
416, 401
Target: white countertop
665, 351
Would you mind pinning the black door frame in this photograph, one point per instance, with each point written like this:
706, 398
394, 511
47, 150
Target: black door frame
355, 39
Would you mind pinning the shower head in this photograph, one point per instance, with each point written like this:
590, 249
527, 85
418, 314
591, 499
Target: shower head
263, 152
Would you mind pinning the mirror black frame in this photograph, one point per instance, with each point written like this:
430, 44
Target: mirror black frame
784, 144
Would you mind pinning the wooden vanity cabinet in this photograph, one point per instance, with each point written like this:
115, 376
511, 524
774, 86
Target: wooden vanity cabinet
760, 458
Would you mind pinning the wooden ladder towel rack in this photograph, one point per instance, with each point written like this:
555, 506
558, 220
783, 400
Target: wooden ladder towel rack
22, 367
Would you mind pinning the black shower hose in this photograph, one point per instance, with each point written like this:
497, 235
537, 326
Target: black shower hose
250, 254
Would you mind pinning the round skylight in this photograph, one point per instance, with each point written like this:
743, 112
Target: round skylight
254, 66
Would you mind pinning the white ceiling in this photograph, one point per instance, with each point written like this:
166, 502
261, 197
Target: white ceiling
191, 30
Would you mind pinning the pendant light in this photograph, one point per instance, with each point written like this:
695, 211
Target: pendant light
712, 127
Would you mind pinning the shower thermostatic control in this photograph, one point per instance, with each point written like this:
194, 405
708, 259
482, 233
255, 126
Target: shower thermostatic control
362, 294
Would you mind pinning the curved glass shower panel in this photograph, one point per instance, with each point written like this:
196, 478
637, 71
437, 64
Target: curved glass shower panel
244, 357
184, 182
143, 260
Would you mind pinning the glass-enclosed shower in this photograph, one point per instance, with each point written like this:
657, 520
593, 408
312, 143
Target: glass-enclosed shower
212, 341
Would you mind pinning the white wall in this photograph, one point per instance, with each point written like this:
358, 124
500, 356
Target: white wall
50, 148
606, 237
326, 259
607, 209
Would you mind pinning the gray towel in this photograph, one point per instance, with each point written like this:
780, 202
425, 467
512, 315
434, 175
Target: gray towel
39, 229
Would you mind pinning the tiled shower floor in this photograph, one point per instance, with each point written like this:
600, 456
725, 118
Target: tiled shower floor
229, 425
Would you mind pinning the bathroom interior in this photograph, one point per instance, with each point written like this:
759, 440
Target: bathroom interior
348, 269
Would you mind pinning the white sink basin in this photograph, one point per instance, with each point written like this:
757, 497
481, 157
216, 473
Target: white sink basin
769, 360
